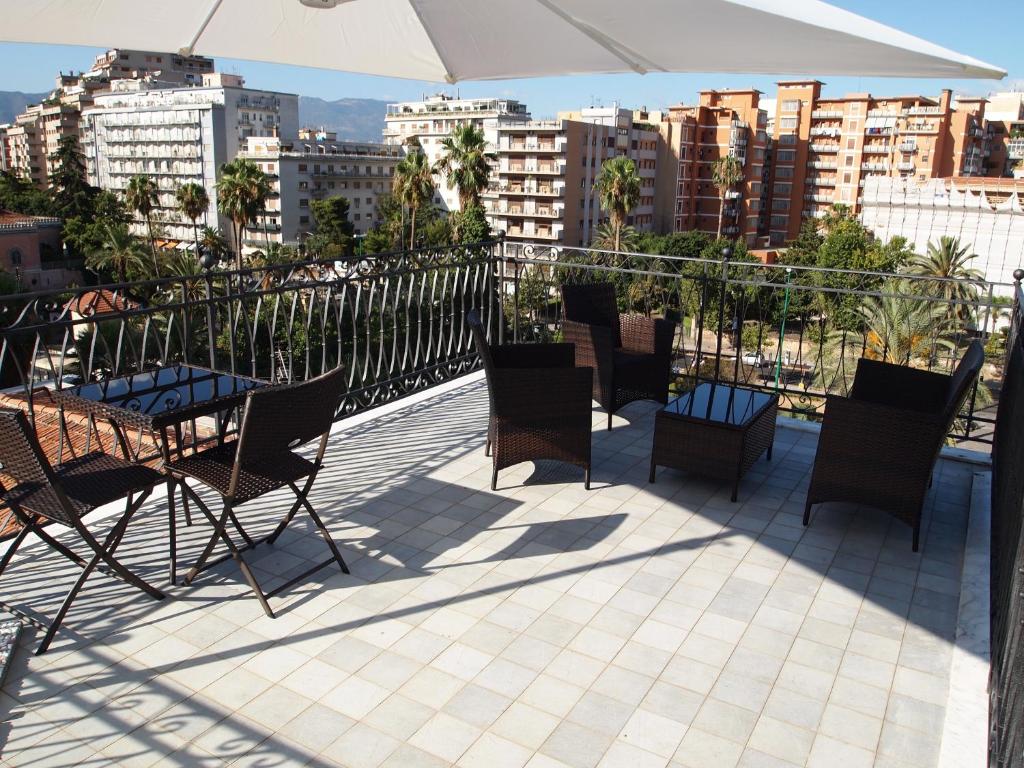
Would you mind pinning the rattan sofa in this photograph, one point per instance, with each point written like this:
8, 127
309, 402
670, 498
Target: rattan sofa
879, 445
631, 354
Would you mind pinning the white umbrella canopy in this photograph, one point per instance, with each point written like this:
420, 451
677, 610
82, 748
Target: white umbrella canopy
452, 40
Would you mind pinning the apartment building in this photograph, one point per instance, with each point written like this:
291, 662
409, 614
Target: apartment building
825, 149
27, 144
431, 120
985, 213
1005, 116
312, 167
692, 138
178, 135
543, 188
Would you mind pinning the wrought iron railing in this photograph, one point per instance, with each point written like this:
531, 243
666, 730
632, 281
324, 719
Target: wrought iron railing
395, 321
1006, 681
798, 331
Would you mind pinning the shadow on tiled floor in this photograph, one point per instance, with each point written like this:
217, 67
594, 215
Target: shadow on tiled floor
540, 625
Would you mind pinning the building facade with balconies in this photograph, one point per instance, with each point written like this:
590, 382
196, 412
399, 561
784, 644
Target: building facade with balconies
431, 120
838, 144
726, 122
313, 167
543, 186
178, 135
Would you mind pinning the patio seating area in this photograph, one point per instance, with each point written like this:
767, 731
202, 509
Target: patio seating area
538, 624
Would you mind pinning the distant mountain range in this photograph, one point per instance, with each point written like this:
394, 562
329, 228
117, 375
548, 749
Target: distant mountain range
358, 119
14, 102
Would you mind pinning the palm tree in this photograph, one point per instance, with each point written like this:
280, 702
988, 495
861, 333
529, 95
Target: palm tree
726, 173
414, 186
193, 202
120, 252
242, 194
960, 283
607, 238
210, 240
466, 162
618, 186
141, 196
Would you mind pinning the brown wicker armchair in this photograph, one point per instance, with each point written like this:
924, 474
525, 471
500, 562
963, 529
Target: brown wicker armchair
631, 354
539, 400
277, 421
64, 495
879, 445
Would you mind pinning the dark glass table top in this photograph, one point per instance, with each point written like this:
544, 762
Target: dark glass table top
720, 403
164, 394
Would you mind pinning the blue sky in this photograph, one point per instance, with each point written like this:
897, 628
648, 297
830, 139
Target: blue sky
992, 32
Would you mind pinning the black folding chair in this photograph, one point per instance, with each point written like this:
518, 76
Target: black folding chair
277, 420
64, 495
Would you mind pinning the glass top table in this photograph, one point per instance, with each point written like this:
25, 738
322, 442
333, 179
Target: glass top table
160, 397
720, 403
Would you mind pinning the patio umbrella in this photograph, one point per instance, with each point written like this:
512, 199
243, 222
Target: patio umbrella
452, 40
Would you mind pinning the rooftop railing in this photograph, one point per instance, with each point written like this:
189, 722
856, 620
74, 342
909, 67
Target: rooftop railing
396, 322
798, 331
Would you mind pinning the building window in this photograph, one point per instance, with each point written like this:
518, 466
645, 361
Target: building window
303, 202
791, 105
786, 155
847, 178
787, 138
784, 173
782, 189
303, 219
15, 255
788, 123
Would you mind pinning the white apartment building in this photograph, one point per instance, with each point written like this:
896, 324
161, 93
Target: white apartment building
433, 119
543, 190
987, 214
313, 167
178, 135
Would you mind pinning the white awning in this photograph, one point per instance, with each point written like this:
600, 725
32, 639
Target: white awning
451, 40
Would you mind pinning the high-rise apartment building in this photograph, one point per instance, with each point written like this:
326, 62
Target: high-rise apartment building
178, 135
431, 120
27, 144
1005, 115
543, 188
313, 167
724, 122
826, 148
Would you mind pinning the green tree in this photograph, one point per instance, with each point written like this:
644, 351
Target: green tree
414, 186
72, 194
19, 195
726, 173
141, 196
623, 240
242, 194
193, 202
87, 233
334, 231
618, 186
471, 225
959, 282
120, 255
466, 162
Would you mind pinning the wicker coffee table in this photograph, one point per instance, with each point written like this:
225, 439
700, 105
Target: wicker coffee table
716, 430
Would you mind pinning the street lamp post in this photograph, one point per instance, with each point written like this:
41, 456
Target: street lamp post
726, 255
207, 260
782, 329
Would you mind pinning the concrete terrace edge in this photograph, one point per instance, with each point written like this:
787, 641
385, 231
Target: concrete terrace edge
966, 728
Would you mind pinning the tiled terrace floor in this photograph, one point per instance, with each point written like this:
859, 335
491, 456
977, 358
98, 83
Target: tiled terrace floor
541, 625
